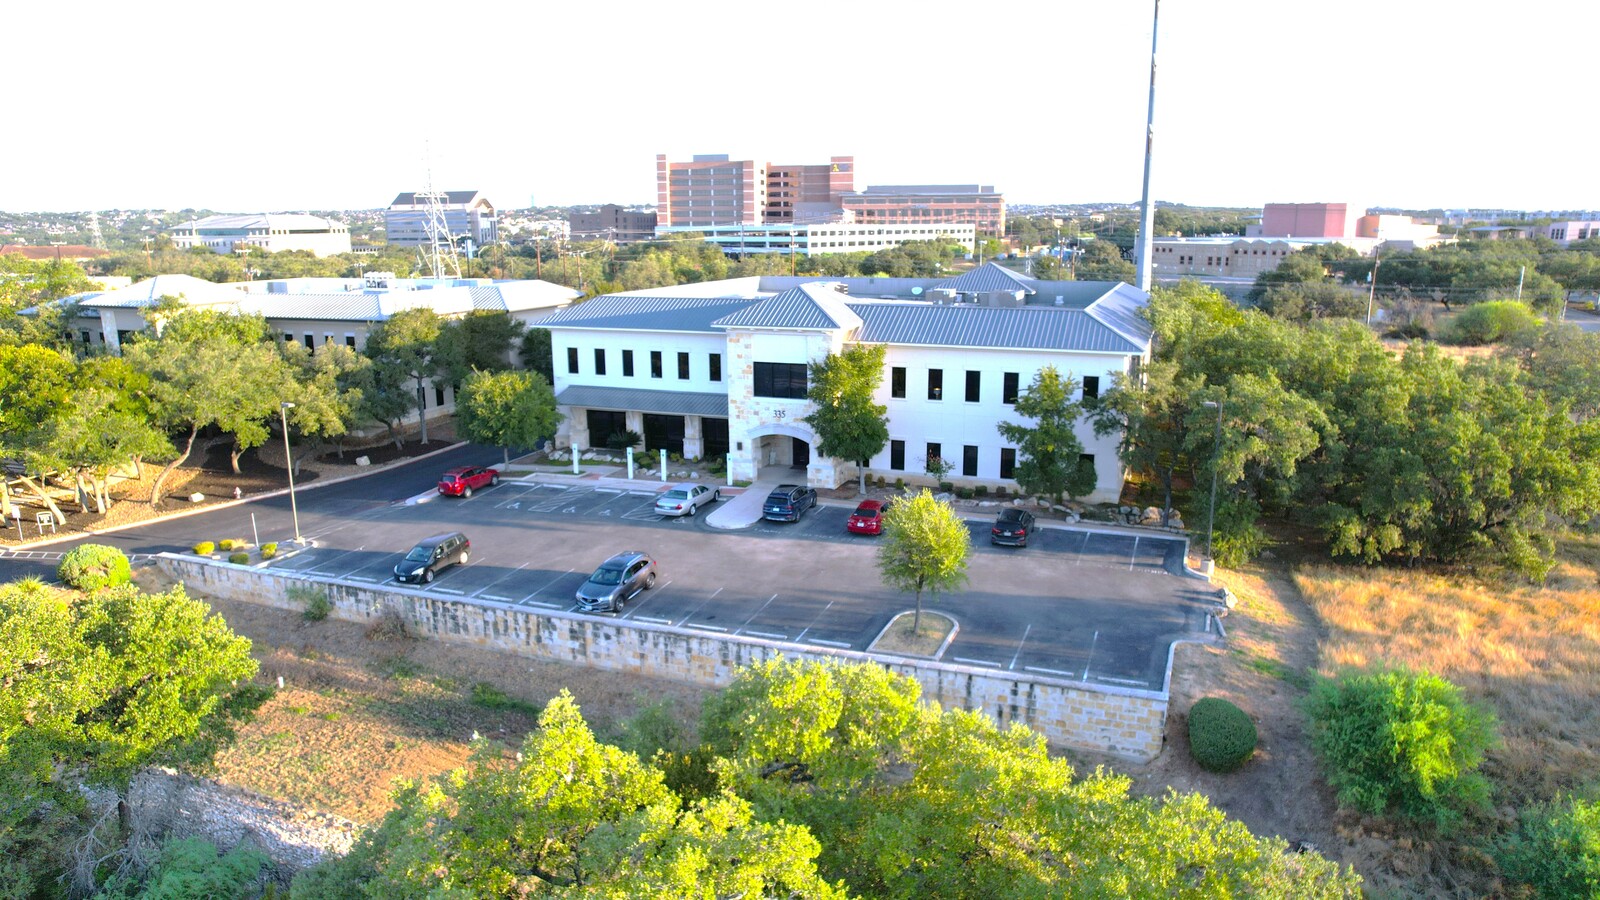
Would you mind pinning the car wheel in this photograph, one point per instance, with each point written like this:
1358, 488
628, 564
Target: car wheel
466, 492
650, 582
427, 575
495, 481
692, 510
464, 556
618, 606
716, 496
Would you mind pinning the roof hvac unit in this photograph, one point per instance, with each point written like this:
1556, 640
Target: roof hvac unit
943, 295
1003, 299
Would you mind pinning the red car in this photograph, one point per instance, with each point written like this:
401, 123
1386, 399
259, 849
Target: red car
868, 517
461, 482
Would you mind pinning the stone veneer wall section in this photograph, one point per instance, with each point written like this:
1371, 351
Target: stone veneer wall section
1107, 719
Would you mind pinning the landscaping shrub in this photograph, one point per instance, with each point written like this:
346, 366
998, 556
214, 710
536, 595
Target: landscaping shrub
204, 548
90, 567
1221, 736
1403, 742
239, 559
899, 484
946, 487
1557, 850
227, 544
1492, 321
317, 605
964, 493
981, 490
622, 440
268, 551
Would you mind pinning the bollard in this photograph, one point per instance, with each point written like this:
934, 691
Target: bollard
630, 463
663, 464
575, 454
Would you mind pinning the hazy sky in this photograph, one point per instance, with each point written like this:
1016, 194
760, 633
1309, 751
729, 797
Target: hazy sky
340, 104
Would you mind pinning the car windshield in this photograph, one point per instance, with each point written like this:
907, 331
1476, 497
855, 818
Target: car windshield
675, 495
1011, 517
867, 512
606, 575
420, 554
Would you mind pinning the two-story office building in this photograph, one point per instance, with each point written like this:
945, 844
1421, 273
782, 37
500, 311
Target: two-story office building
721, 367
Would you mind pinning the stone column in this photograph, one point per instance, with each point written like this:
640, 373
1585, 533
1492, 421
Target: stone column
693, 439
574, 429
633, 420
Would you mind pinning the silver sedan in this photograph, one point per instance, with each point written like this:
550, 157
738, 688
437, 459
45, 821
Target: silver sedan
685, 499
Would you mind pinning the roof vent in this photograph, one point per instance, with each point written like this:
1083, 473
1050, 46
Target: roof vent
1060, 300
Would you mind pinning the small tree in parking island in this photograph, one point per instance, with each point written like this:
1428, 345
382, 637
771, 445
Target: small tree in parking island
848, 423
507, 409
1049, 455
925, 547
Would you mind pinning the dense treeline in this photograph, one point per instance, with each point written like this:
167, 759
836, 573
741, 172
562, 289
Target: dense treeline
1412, 456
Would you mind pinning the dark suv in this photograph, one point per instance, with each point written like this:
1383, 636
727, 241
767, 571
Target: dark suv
1012, 528
788, 502
431, 555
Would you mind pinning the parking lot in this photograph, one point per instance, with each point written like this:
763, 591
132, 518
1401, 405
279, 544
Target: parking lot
1079, 604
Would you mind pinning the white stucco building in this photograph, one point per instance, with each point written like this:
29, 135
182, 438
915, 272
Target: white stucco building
721, 367
270, 232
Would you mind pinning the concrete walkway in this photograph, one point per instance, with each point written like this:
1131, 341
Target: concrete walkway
745, 510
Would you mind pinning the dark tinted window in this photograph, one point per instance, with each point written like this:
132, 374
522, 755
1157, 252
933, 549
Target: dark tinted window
627, 363
716, 366
897, 382
572, 360
599, 361
897, 455
1091, 387
1008, 461
969, 461
655, 363
683, 366
935, 384
974, 381
1008, 389
781, 380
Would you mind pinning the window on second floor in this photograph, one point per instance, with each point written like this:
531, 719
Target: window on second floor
715, 361
974, 385
1008, 388
683, 366
897, 382
655, 363
572, 360
1091, 388
781, 380
935, 384
599, 360
627, 363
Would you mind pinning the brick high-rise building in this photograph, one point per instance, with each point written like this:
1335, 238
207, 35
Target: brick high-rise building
710, 190
930, 204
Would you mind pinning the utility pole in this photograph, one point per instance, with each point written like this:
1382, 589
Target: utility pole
1520, 274
1372, 286
1147, 217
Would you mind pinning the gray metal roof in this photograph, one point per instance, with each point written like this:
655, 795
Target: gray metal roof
1019, 328
989, 277
520, 296
195, 291
676, 403
808, 306
409, 198
653, 313
1122, 310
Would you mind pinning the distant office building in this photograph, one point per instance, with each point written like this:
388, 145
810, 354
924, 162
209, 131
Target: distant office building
1562, 233
612, 223
808, 193
825, 237
467, 215
930, 204
1399, 232
272, 233
710, 189
1304, 220
1225, 256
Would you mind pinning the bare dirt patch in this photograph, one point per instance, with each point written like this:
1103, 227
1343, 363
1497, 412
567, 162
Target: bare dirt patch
355, 713
923, 640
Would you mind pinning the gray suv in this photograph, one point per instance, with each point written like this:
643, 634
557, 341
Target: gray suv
617, 581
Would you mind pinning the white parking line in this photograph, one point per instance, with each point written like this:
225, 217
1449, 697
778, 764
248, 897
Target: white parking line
1090, 659
767, 634
545, 585
705, 627
1049, 671
1127, 681
493, 597
1134, 557
540, 603
840, 644
976, 662
360, 578
801, 636
1019, 646
758, 611
447, 591
653, 620
480, 591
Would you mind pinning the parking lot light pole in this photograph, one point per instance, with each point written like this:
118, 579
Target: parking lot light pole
288, 458
1216, 456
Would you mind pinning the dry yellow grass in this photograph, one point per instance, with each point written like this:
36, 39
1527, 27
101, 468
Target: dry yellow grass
1531, 655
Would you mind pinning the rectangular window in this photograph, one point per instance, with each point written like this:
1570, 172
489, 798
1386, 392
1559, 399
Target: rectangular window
683, 367
572, 360
655, 363
599, 360
782, 380
288, 337
85, 334
715, 360
1008, 388
897, 382
969, 461
974, 382
1086, 459
935, 452
627, 363
438, 396
897, 455
311, 342
327, 338
1091, 387
1008, 462
349, 339
935, 384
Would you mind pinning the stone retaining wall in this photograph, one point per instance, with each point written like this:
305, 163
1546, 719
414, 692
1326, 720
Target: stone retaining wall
1122, 721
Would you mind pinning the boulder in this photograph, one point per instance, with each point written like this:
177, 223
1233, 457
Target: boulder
363, 461
1153, 511
196, 497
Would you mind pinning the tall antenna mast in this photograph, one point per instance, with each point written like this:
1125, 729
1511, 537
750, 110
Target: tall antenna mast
96, 239
1147, 214
441, 246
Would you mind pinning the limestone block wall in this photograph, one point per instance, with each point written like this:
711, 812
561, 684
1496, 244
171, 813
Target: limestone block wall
1109, 719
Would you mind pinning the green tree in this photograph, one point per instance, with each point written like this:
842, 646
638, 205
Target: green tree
537, 354
848, 423
924, 548
327, 392
507, 409
481, 341
1556, 851
406, 345
1049, 454
1399, 742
